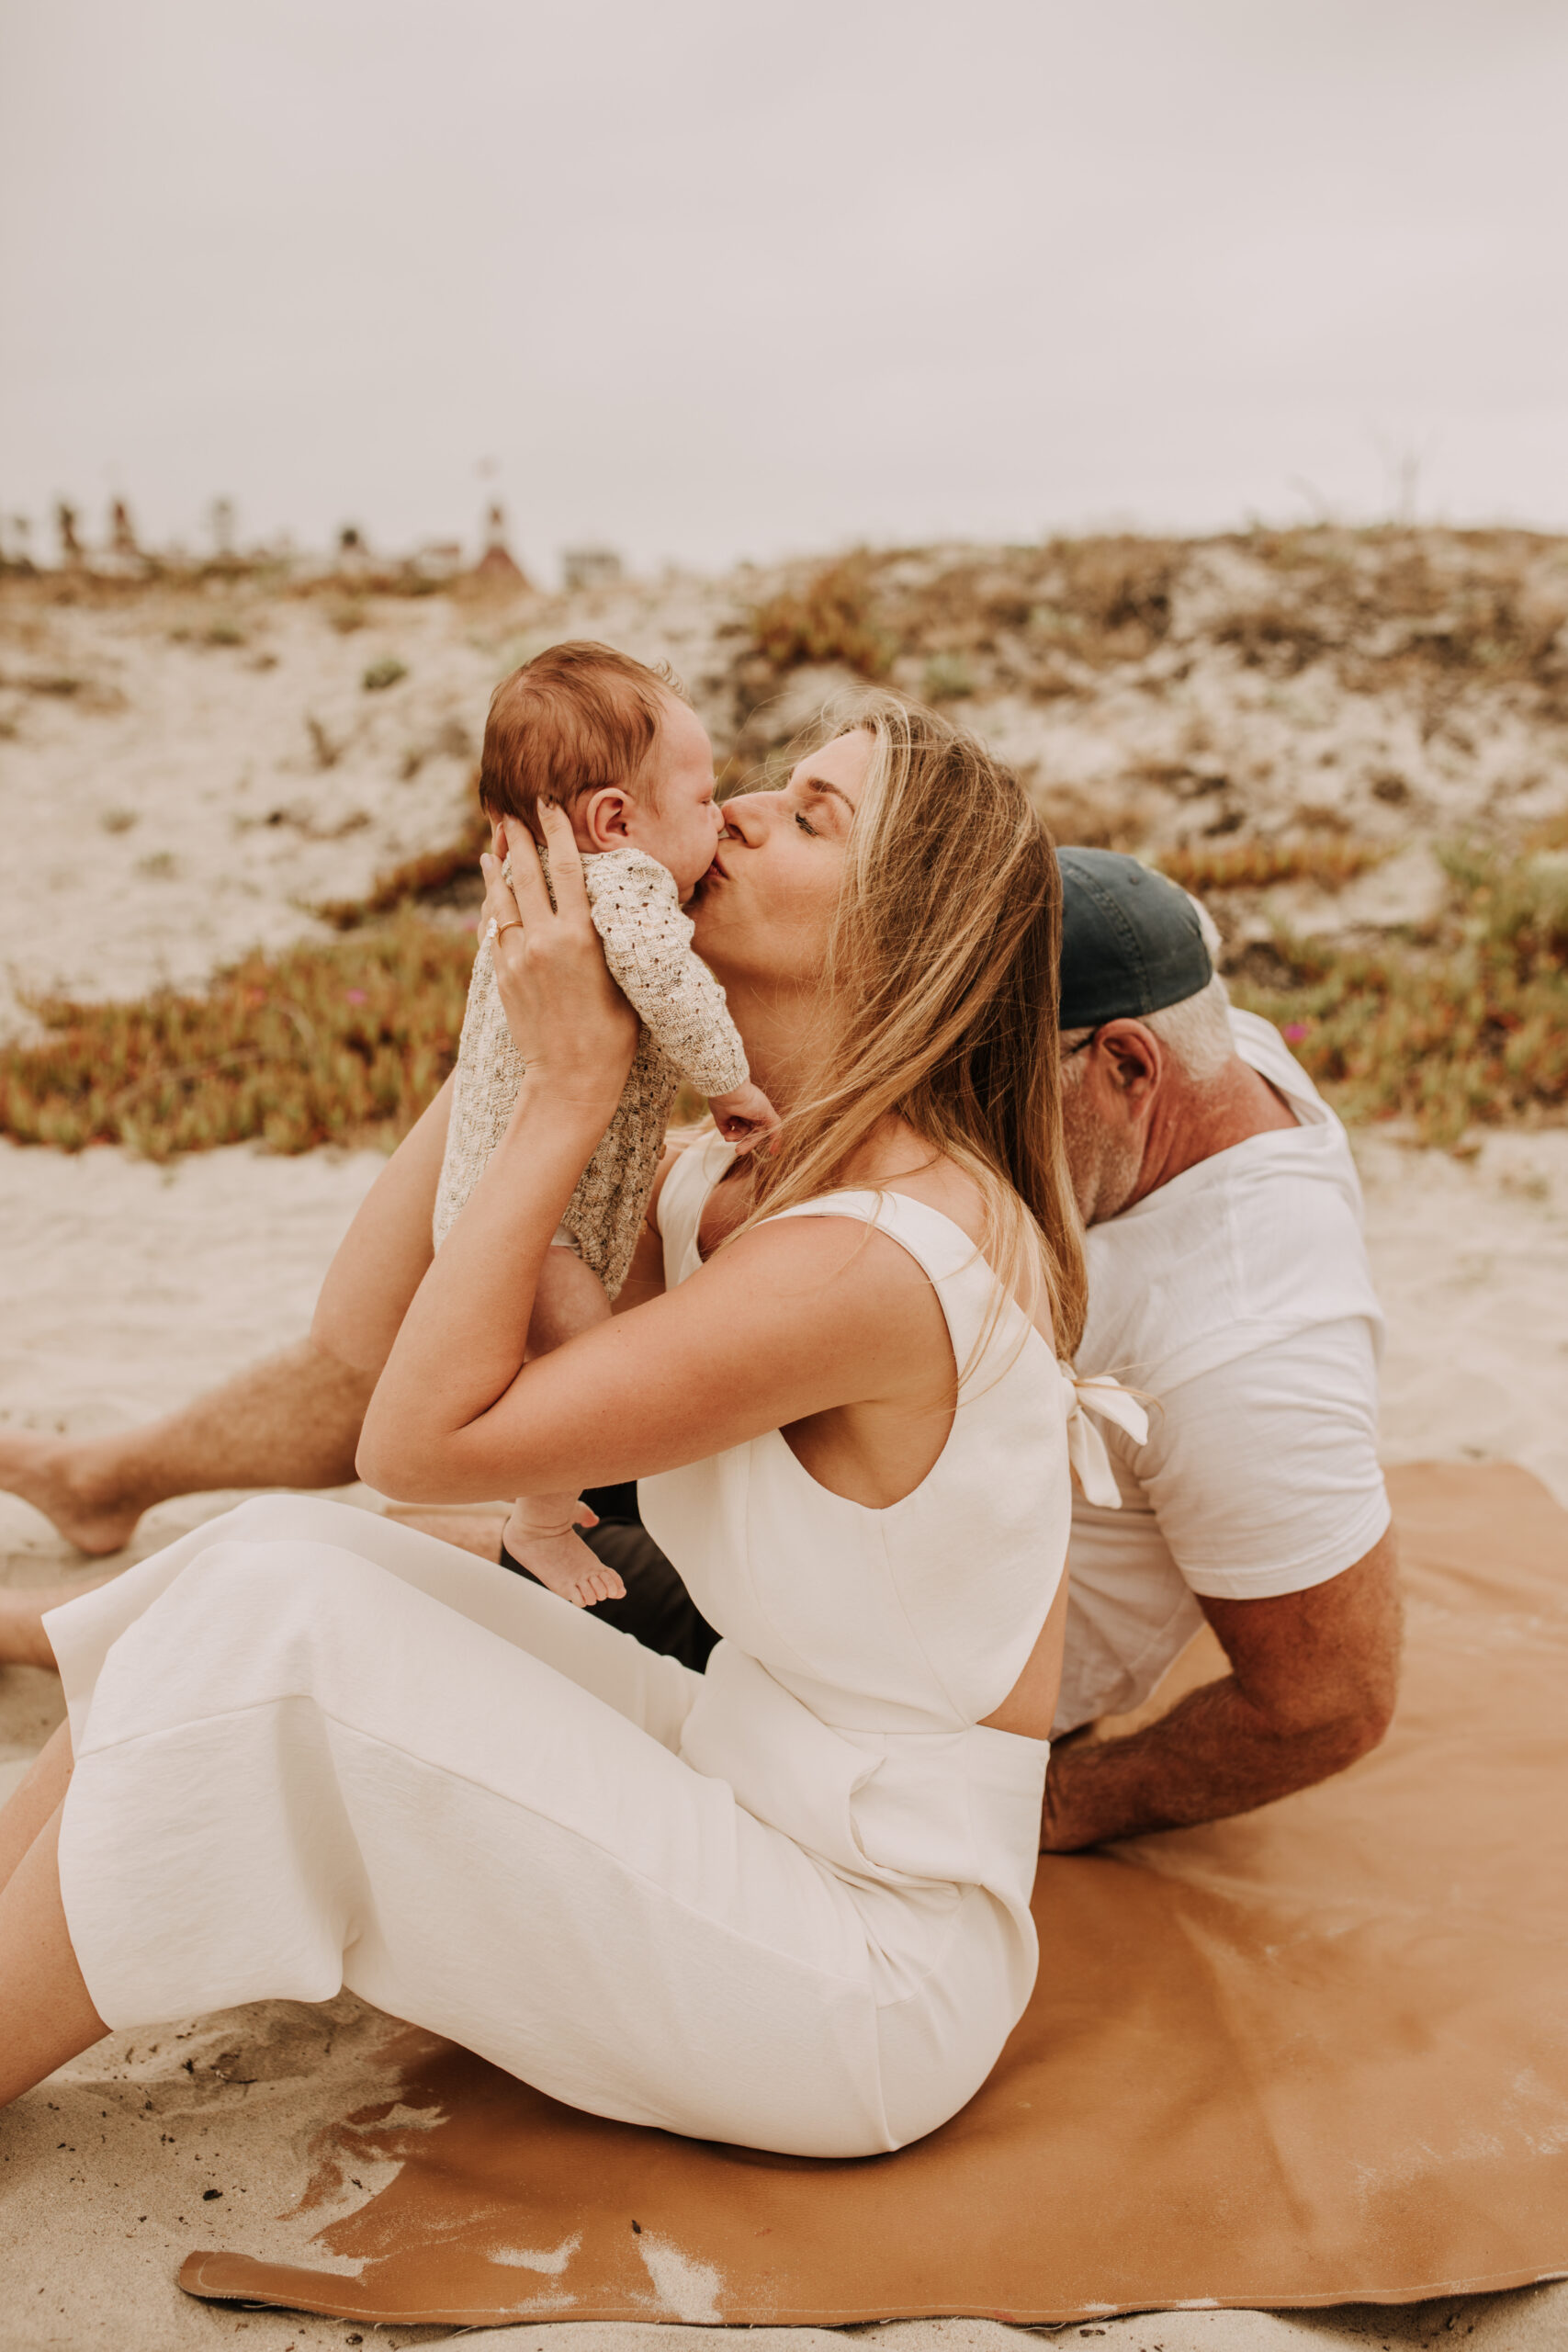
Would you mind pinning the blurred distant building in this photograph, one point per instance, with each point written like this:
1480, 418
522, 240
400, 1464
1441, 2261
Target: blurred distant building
590, 568
122, 533
439, 559
65, 519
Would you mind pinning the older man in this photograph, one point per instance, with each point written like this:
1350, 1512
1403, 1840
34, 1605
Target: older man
1227, 1281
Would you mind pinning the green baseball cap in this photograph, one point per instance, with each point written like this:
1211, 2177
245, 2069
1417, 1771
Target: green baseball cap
1131, 941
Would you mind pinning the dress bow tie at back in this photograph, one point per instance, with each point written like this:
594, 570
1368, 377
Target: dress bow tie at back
1086, 1447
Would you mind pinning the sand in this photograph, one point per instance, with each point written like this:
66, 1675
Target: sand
129, 1288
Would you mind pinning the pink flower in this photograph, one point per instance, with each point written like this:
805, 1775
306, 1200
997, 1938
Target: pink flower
1294, 1031
357, 996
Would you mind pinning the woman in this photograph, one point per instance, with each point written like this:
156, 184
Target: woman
786, 1902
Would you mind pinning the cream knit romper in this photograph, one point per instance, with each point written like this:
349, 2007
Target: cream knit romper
686, 1033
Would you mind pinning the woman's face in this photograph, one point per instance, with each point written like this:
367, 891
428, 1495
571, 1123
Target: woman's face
763, 909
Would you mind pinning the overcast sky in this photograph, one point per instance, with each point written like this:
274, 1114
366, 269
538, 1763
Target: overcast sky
707, 280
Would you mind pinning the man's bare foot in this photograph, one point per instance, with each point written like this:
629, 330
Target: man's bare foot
50, 1474
559, 1556
23, 1641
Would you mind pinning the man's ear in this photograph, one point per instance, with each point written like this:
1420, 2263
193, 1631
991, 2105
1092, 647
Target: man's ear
605, 818
1132, 1057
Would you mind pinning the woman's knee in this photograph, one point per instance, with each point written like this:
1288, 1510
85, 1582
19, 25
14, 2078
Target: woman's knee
290, 1519
267, 1569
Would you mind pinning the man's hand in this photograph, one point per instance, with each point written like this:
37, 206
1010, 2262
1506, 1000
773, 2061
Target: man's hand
1312, 1682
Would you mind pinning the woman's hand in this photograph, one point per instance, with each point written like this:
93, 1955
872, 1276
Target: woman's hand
568, 1019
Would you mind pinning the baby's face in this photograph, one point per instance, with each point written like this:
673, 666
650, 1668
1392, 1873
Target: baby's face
676, 820
682, 831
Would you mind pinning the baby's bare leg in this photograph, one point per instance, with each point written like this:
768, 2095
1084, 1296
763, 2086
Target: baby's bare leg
542, 1530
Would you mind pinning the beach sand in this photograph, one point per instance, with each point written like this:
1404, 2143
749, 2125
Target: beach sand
129, 1288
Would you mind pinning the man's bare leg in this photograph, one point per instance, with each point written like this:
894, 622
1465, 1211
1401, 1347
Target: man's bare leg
291, 1420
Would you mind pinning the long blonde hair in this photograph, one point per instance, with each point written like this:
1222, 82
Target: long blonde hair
940, 1002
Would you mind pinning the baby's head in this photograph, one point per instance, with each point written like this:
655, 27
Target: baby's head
616, 744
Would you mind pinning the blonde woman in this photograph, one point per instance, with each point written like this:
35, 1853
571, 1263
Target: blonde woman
786, 1903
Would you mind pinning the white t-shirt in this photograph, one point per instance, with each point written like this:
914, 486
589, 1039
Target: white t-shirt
1238, 1299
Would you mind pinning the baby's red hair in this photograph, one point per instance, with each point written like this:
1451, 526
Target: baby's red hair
576, 717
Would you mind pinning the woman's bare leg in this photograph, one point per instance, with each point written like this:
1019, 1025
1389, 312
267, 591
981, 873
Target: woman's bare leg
27, 1808
46, 2016
291, 1420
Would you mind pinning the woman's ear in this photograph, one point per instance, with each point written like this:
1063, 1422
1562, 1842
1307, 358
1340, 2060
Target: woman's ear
605, 818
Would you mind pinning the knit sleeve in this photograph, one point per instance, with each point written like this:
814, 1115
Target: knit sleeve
647, 947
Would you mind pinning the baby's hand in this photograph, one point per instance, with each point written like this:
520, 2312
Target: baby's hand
744, 1115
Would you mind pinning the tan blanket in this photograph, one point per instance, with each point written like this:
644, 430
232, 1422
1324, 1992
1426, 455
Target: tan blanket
1316, 2055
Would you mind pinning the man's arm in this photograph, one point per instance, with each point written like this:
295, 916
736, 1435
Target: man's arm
1312, 1682
382, 1258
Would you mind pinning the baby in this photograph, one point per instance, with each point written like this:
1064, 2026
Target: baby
580, 724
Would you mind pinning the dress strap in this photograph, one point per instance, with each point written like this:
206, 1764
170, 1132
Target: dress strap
681, 1200
942, 1248
966, 1287
959, 1274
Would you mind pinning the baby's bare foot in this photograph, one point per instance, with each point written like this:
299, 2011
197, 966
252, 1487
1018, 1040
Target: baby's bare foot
50, 1472
562, 1561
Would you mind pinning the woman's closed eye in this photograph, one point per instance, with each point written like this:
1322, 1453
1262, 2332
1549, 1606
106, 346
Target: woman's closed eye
805, 823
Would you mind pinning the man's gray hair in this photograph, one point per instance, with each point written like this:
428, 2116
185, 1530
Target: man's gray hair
1196, 1032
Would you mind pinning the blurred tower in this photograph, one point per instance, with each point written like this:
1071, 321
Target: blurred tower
122, 534
496, 568
65, 520
220, 516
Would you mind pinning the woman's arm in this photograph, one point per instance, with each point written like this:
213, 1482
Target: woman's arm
796, 1320
792, 1321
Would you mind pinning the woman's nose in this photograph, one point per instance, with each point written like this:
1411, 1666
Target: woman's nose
744, 816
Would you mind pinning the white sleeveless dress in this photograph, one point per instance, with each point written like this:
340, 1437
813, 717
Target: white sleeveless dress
784, 1904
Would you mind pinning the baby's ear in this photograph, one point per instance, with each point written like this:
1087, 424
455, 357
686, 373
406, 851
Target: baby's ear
605, 818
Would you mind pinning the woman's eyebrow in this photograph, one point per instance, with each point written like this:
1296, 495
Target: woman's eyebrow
820, 783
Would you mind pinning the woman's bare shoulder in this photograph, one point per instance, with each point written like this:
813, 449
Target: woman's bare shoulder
902, 1162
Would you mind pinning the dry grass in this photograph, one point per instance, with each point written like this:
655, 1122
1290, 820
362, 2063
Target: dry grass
1393, 606
1466, 1026
1008, 618
830, 620
1327, 860
339, 1043
1021, 610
